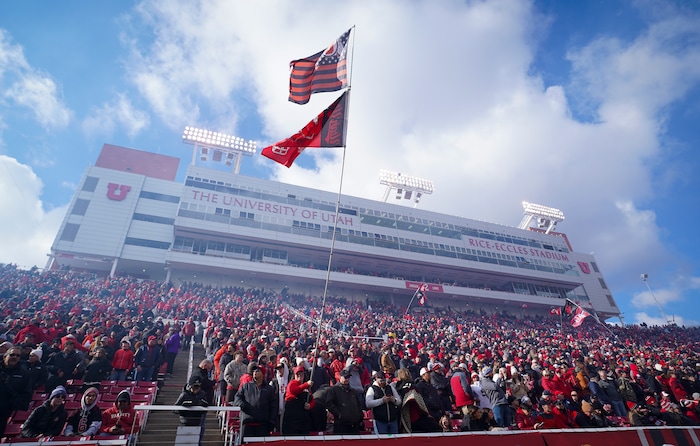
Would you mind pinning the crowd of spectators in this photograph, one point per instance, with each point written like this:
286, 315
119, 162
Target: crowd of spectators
489, 370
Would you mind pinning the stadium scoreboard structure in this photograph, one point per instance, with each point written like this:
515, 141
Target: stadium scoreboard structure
130, 216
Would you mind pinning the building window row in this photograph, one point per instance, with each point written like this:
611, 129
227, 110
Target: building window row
198, 211
376, 217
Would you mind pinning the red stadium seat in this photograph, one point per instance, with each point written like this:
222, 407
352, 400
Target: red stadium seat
144, 390
108, 397
13, 430
71, 406
20, 416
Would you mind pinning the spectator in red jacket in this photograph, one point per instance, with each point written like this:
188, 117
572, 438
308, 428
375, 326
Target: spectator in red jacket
120, 419
122, 362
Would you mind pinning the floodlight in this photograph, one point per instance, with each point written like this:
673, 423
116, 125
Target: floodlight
219, 144
405, 185
545, 216
397, 179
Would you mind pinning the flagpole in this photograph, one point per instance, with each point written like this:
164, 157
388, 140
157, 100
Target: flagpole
412, 297
352, 54
561, 321
337, 203
330, 253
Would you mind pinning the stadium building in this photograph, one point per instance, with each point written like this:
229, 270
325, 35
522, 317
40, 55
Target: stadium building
130, 216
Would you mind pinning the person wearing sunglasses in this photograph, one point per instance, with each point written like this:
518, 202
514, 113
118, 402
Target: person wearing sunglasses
48, 419
15, 386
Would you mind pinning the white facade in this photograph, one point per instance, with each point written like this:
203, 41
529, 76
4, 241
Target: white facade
229, 229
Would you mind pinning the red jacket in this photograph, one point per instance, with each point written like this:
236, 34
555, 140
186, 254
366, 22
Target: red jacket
112, 417
462, 398
524, 422
123, 359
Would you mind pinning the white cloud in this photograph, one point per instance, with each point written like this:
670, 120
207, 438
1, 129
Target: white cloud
29, 88
118, 114
27, 230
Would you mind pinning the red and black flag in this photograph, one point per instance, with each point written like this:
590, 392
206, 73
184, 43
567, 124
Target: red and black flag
325, 130
569, 307
579, 315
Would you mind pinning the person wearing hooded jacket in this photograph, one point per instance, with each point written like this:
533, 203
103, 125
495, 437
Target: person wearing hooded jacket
279, 385
48, 419
192, 395
120, 418
88, 419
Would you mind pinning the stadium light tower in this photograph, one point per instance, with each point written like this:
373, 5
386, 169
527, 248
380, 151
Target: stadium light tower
218, 146
546, 217
406, 186
644, 279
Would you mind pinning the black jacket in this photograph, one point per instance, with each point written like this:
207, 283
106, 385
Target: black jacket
15, 389
342, 402
44, 422
188, 399
259, 404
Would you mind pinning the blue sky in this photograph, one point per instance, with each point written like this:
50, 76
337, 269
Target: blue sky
587, 106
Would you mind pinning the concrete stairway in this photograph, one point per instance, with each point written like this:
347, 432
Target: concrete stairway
162, 425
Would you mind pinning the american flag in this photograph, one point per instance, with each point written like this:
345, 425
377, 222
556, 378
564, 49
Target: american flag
422, 297
324, 71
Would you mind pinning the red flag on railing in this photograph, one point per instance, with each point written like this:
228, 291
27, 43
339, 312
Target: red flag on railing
325, 130
324, 71
554, 311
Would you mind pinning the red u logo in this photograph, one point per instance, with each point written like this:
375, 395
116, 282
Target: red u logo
117, 192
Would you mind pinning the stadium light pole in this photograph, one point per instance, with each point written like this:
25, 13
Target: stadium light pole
406, 186
231, 148
644, 279
546, 217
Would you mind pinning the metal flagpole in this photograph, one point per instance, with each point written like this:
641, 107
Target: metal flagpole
412, 297
335, 219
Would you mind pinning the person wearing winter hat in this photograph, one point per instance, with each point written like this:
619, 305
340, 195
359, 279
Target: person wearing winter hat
496, 393
120, 419
38, 373
431, 397
48, 419
384, 401
584, 418
87, 421
146, 358
192, 395
462, 391
258, 403
298, 403
122, 362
